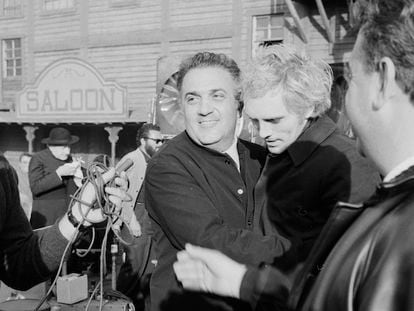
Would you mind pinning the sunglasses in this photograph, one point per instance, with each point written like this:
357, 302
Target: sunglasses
157, 141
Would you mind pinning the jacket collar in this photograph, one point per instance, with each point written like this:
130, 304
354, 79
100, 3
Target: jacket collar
241, 149
402, 183
403, 178
318, 131
144, 154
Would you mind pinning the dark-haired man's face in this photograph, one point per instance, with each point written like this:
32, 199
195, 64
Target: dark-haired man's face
361, 96
152, 142
210, 108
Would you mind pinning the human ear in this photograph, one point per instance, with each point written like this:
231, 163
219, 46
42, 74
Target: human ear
387, 84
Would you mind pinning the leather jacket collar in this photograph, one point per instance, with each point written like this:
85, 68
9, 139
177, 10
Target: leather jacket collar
399, 184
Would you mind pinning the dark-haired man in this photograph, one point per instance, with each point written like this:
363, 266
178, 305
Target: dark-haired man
138, 264
199, 187
371, 266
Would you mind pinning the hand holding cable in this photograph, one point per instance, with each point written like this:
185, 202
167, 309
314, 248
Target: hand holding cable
100, 196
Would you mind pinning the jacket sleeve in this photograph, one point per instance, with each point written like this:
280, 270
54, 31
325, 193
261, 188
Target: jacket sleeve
385, 277
265, 288
26, 258
349, 178
40, 178
186, 215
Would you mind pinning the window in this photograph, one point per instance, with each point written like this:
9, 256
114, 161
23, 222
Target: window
56, 5
11, 8
12, 58
267, 30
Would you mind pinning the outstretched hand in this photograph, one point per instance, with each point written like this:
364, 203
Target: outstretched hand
116, 193
209, 271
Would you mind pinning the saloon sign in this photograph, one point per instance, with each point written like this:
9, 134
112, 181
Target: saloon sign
73, 91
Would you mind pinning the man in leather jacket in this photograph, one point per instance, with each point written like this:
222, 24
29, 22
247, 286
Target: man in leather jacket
371, 265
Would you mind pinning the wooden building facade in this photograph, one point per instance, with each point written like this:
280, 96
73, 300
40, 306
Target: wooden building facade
138, 44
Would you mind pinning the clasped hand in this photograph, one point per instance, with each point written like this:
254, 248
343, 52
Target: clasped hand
116, 194
209, 271
68, 169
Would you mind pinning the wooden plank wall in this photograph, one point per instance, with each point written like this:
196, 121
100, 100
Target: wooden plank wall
106, 19
187, 48
125, 42
186, 13
45, 58
320, 47
132, 66
56, 31
12, 28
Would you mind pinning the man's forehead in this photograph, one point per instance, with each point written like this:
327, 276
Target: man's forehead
154, 133
211, 75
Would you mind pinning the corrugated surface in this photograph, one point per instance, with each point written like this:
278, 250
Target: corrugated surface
133, 67
200, 12
103, 18
125, 42
185, 48
319, 46
43, 59
51, 28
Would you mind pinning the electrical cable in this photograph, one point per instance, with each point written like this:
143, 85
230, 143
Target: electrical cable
111, 215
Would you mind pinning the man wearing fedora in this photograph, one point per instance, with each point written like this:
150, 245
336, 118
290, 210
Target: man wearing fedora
51, 177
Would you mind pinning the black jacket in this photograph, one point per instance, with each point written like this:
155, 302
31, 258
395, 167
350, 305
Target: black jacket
370, 268
302, 185
26, 258
197, 195
51, 194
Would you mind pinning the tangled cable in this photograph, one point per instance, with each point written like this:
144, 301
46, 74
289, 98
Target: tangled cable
111, 214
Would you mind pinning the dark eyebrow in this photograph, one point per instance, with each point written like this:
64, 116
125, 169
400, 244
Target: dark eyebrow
217, 90
191, 93
272, 119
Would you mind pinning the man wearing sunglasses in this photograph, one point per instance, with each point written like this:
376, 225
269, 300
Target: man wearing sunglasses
137, 266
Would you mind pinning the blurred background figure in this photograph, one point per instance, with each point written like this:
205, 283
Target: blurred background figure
135, 272
23, 181
337, 110
51, 177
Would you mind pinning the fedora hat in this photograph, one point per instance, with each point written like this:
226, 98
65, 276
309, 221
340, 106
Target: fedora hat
60, 136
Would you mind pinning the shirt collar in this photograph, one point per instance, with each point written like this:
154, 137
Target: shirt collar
233, 153
146, 155
318, 131
403, 166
